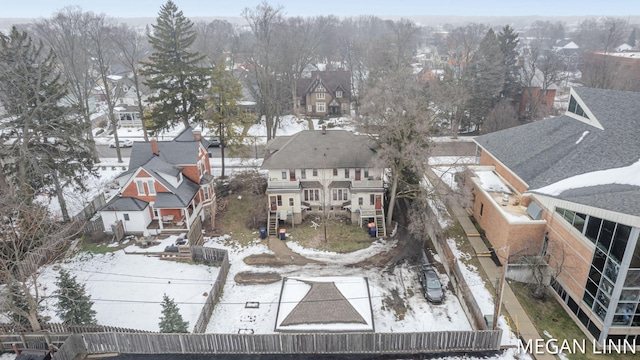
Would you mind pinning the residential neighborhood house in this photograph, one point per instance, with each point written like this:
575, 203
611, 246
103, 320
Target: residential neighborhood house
567, 188
324, 173
168, 187
324, 93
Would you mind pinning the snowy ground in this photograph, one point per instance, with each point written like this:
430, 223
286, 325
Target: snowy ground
127, 289
420, 316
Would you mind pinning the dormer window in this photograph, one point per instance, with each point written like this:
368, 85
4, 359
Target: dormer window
338, 94
320, 96
575, 108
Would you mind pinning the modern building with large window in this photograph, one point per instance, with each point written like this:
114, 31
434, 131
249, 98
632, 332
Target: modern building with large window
568, 188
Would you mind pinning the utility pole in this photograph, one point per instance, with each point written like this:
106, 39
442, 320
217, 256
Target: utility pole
500, 290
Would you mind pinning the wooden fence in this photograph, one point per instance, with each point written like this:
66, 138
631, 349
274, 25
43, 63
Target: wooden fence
210, 256
333, 343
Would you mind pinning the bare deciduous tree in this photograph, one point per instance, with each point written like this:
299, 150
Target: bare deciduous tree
397, 116
502, 116
133, 49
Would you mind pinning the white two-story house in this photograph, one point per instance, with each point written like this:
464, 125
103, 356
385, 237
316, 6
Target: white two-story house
323, 173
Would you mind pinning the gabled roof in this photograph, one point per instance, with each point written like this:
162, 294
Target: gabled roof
187, 136
172, 152
547, 151
125, 204
331, 80
312, 149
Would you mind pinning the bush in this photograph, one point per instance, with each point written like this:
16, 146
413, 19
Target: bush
320, 122
250, 180
331, 125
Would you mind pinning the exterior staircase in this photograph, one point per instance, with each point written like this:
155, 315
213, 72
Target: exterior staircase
272, 228
380, 224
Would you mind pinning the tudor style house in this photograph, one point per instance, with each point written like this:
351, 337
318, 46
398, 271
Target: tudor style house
167, 188
325, 93
323, 173
568, 189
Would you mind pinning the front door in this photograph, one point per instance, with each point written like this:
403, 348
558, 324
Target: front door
274, 204
378, 202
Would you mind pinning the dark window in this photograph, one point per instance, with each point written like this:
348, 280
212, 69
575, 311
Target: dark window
126, 217
592, 287
588, 299
620, 241
593, 228
481, 208
599, 258
593, 329
279, 200
284, 174
572, 304
372, 199
290, 201
303, 173
335, 172
360, 201
346, 173
315, 172
606, 234
357, 174
578, 221
583, 317
366, 173
292, 175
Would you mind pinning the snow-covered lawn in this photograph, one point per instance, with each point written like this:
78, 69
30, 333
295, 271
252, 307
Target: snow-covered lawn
231, 316
127, 289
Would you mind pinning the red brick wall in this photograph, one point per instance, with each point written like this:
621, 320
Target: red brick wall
522, 239
567, 248
132, 189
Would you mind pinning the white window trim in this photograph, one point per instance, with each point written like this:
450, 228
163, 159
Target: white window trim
140, 185
321, 107
151, 186
338, 94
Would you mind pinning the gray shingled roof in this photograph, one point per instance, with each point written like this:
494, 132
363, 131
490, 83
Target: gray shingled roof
312, 149
547, 151
172, 152
125, 204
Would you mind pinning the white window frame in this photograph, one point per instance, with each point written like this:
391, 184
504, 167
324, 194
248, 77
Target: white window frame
140, 186
339, 94
205, 189
154, 211
151, 187
320, 96
321, 107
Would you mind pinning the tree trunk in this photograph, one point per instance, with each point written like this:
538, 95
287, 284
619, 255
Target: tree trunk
392, 199
60, 196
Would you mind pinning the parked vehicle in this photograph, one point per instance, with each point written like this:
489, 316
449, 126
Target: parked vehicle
124, 143
431, 284
214, 142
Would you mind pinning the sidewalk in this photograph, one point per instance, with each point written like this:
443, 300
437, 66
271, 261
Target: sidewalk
522, 324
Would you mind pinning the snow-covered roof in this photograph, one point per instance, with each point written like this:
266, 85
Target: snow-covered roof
562, 149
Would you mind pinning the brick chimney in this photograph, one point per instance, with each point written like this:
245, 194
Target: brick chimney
154, 147
197, 135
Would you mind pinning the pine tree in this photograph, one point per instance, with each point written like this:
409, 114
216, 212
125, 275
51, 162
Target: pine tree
171, 321
487, 77
74, 305
50, 148
632, 38
18, 299
508, 39
173, 74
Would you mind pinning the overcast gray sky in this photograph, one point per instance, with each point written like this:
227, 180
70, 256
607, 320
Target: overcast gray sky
191, 8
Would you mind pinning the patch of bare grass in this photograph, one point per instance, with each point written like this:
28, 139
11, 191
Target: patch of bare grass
340, 236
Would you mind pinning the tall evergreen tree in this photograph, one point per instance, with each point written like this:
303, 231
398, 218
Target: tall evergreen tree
632, 38
173, 73
171, 321
486, 78
50, 150
74, 305
508, 39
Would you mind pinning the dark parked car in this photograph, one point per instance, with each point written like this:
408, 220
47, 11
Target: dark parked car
431, 284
